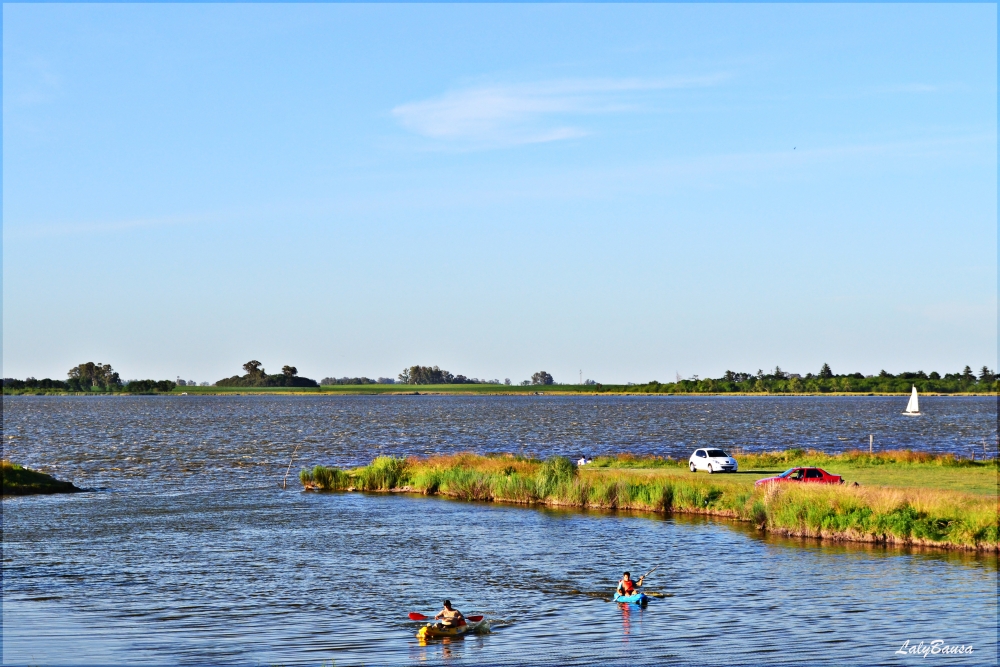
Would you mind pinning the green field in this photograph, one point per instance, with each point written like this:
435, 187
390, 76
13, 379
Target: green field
981, 481
902, 497
903, 470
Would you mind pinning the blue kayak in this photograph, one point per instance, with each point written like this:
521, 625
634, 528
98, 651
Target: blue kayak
635, 598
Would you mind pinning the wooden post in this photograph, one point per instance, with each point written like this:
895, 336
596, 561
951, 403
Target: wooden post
285, 480
871, 441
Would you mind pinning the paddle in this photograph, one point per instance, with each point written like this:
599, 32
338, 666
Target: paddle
414, 616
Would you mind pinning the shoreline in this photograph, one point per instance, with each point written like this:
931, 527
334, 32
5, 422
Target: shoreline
360, 391
21, 481
831, 536
925, 507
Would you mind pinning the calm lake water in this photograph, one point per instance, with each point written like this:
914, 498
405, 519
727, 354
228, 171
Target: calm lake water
191, 554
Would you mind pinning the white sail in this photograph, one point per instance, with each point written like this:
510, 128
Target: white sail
913, 407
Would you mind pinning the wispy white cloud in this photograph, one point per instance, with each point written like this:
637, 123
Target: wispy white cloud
513, 114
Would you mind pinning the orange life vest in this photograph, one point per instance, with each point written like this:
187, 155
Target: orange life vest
627, 586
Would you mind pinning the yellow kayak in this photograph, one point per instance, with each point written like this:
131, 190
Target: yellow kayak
432, 630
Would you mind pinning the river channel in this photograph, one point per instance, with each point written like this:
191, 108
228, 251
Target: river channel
189, 552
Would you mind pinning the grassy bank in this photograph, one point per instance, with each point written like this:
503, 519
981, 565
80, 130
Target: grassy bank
19, 481
907, 498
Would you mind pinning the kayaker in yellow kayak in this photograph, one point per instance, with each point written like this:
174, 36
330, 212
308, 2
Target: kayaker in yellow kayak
628, 587
450, 617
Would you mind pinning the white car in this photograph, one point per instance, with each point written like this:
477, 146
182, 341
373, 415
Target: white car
712, 460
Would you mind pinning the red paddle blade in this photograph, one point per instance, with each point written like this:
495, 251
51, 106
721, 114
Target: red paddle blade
474, 619
414, 616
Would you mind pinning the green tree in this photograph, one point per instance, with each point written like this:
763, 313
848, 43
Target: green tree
94, 376
967, 375
541, 377
825, 372
985, 374
254, 369
256, 377
150, 386
426, 375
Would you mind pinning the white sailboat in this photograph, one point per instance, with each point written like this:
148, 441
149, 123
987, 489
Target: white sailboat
913, 407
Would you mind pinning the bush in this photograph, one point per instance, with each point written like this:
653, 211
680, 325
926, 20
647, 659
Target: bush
325, 479
150, 386
557, 470
384, 473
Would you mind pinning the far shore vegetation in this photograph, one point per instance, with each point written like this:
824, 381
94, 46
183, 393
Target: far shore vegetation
20, 481
256, 377
902, 497
97, 378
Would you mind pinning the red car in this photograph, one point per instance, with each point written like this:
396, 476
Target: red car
803, 475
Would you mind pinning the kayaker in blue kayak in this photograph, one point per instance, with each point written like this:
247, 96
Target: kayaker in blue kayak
450, 617
628, 587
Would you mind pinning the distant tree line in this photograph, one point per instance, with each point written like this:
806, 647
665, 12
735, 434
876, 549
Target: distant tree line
361, 380
150, 386
97, 377
88, 377
826, 381
31, 384
256, 376
435, 375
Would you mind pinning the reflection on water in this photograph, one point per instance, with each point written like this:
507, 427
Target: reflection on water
626, 621
193, 555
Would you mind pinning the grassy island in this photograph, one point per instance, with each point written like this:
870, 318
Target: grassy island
20, 481
903, 497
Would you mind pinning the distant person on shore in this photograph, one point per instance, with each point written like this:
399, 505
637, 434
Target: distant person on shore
628, 587
450, 617
584, 461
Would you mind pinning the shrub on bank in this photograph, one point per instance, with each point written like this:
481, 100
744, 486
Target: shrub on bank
383, 474
325, 479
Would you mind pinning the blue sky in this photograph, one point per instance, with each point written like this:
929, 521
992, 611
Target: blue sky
631, 190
